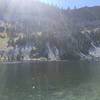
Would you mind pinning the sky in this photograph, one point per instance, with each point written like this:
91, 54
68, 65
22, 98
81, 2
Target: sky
60, 3
73, 3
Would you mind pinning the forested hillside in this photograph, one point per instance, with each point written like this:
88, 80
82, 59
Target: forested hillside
38, 30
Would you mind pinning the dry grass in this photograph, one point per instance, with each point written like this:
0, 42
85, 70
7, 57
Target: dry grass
3, 42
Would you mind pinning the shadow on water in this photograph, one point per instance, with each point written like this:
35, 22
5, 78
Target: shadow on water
49, 81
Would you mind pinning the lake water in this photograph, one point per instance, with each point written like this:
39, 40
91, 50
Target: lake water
50, 81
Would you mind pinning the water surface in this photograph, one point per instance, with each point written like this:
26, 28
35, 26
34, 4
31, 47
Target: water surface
50, 81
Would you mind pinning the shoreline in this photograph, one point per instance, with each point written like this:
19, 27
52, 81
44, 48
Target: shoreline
30, 61
39, 61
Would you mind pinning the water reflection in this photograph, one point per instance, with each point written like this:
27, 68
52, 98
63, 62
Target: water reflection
50, 81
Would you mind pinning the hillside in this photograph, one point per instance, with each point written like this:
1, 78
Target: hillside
86, 16
46, 31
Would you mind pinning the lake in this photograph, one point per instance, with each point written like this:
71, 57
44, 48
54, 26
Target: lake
50, 81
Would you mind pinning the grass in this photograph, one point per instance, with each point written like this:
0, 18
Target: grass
3, 42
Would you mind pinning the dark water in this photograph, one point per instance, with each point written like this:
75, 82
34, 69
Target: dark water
50, 81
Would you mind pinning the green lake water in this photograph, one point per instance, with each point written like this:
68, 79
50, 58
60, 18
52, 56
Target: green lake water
50, 81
